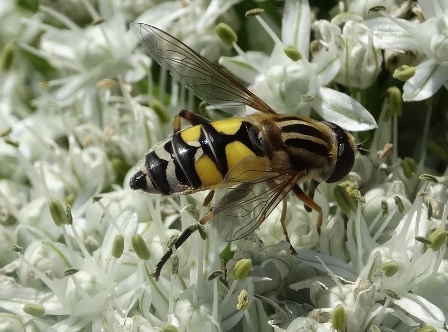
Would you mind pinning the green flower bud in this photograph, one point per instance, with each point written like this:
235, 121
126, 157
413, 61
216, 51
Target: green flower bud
404, 73
241, 269
339, 318
57, 212
409, 167
35, 310
140, 247
160, 110
118, 246
389, 268
344, 200
226, 34
292, 52
7, 57
395, 100
427, 329
169, 328
438, 239
254, 12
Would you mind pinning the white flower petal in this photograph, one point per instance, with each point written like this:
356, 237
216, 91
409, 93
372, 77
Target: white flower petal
306, 324
433, 8
327, 65
343, 110
296, 25
261, 323
214, 9
335, 265
242, 68
429, 77
389, 35
422, 309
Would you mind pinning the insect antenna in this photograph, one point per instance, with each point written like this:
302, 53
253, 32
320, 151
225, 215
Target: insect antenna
359, 147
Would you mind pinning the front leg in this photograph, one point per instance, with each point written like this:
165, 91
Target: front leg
310, 203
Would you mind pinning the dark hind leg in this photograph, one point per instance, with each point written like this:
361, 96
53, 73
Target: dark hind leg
180, 240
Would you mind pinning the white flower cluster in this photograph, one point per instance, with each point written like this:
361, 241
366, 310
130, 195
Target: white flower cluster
81, 103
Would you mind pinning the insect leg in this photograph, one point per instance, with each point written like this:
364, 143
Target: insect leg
309, 202
180, 240
282, 221
311, 190
191, 117
208, 198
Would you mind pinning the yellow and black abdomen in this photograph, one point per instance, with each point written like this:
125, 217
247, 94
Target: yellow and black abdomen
196, 158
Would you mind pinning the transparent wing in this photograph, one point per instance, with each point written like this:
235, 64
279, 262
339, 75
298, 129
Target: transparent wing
202, 77
248, 194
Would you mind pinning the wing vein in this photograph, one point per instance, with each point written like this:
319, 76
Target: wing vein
198, 74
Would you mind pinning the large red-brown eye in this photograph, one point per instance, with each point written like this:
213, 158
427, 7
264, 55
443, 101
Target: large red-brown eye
345, 157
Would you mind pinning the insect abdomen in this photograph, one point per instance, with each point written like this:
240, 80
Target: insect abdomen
196, 158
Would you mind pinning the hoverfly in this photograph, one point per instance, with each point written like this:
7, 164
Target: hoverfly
252, 162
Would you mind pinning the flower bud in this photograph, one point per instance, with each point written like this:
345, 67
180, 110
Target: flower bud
389, 268
118, 246
140, 247
241, 269
344, 200
57, 212
404, 73
438, 239
254, 12
169, 328
427, 329
226, 34
339, 318
160, 110
33, 309
292, 52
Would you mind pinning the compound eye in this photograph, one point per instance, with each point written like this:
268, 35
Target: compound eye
346, 154
344, 163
